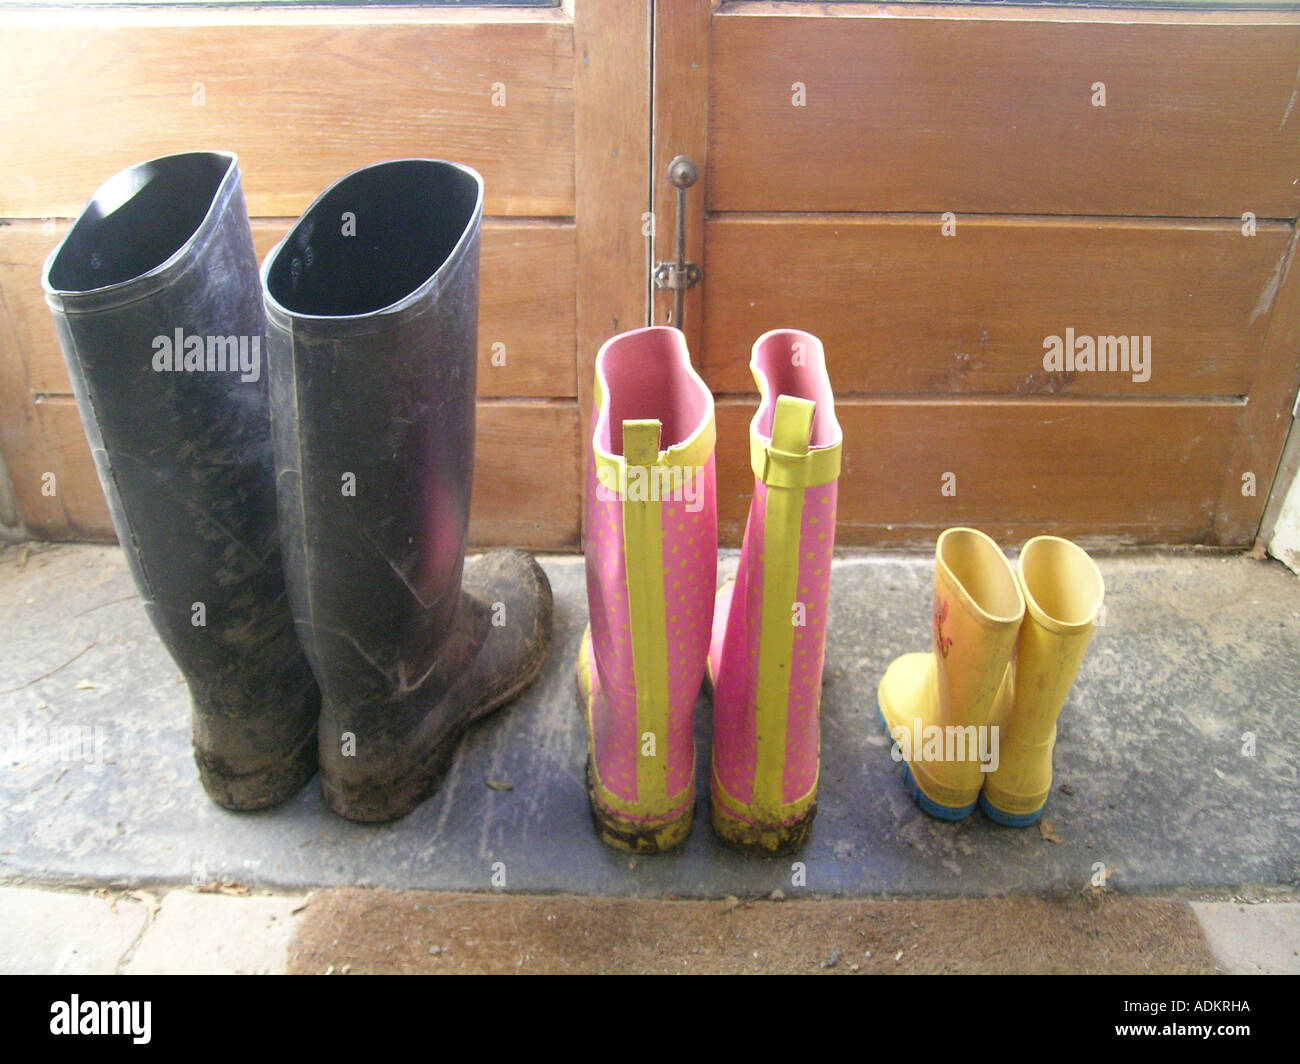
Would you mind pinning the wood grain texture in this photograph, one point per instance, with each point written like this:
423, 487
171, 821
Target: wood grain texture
979, 112
525, 303
527, 489
903, 309
1113, 472
22, 441
1257, 448
302, 103
611, 164
78, 482
681, 97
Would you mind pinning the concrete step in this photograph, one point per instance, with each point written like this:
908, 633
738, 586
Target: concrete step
1176, 765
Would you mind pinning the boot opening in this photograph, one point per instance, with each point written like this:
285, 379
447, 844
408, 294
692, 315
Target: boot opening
794, 364
374, 238
1061, 580
138, 219
978, 566
648, 377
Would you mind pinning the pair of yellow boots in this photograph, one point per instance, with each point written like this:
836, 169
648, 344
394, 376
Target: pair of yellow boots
974, 721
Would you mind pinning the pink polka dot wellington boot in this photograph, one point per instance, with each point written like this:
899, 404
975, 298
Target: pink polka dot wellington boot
769, 627
651, 543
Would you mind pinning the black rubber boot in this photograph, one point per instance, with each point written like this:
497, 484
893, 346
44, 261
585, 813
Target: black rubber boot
372, 305
158, 308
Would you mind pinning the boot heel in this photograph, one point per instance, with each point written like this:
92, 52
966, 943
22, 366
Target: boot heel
634, 834
765, 839
1010, 820
256, 788
913, 789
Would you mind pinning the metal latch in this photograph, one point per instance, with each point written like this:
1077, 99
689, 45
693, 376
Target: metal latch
678, 276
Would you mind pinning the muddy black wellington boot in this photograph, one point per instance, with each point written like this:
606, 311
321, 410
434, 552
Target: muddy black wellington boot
372, 306
156, 299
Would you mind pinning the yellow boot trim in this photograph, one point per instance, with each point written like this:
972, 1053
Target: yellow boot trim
686, 459
782, 519
780, 467
643, 553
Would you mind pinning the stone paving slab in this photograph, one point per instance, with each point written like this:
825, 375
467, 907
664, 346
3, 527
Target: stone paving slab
215, 934
57, 933
1252, 939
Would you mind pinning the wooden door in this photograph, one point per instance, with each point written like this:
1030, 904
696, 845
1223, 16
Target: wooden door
550, 104
936, 191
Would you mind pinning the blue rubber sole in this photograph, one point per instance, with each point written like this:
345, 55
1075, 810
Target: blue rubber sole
927, 804
1008, 820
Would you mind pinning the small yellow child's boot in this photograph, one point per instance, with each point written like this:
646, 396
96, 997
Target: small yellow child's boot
1063, 592
935, 706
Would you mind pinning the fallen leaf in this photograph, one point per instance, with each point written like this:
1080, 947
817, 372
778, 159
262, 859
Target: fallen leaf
224, 886
1048, 832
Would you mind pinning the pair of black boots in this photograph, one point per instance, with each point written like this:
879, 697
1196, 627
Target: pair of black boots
288, 462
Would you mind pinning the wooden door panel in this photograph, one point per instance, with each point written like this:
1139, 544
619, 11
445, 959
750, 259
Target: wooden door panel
975, 110
302, 97
903, 309
1118, 472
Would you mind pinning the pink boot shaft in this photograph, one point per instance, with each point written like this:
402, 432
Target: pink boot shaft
769, 627
651, 547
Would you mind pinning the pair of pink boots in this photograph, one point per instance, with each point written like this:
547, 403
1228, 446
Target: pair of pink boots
658, 624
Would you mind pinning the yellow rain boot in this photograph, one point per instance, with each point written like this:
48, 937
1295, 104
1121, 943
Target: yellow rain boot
1063, 591
936, 706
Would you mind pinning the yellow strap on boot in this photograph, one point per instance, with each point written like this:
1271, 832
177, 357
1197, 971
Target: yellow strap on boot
647, 612
785, 469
